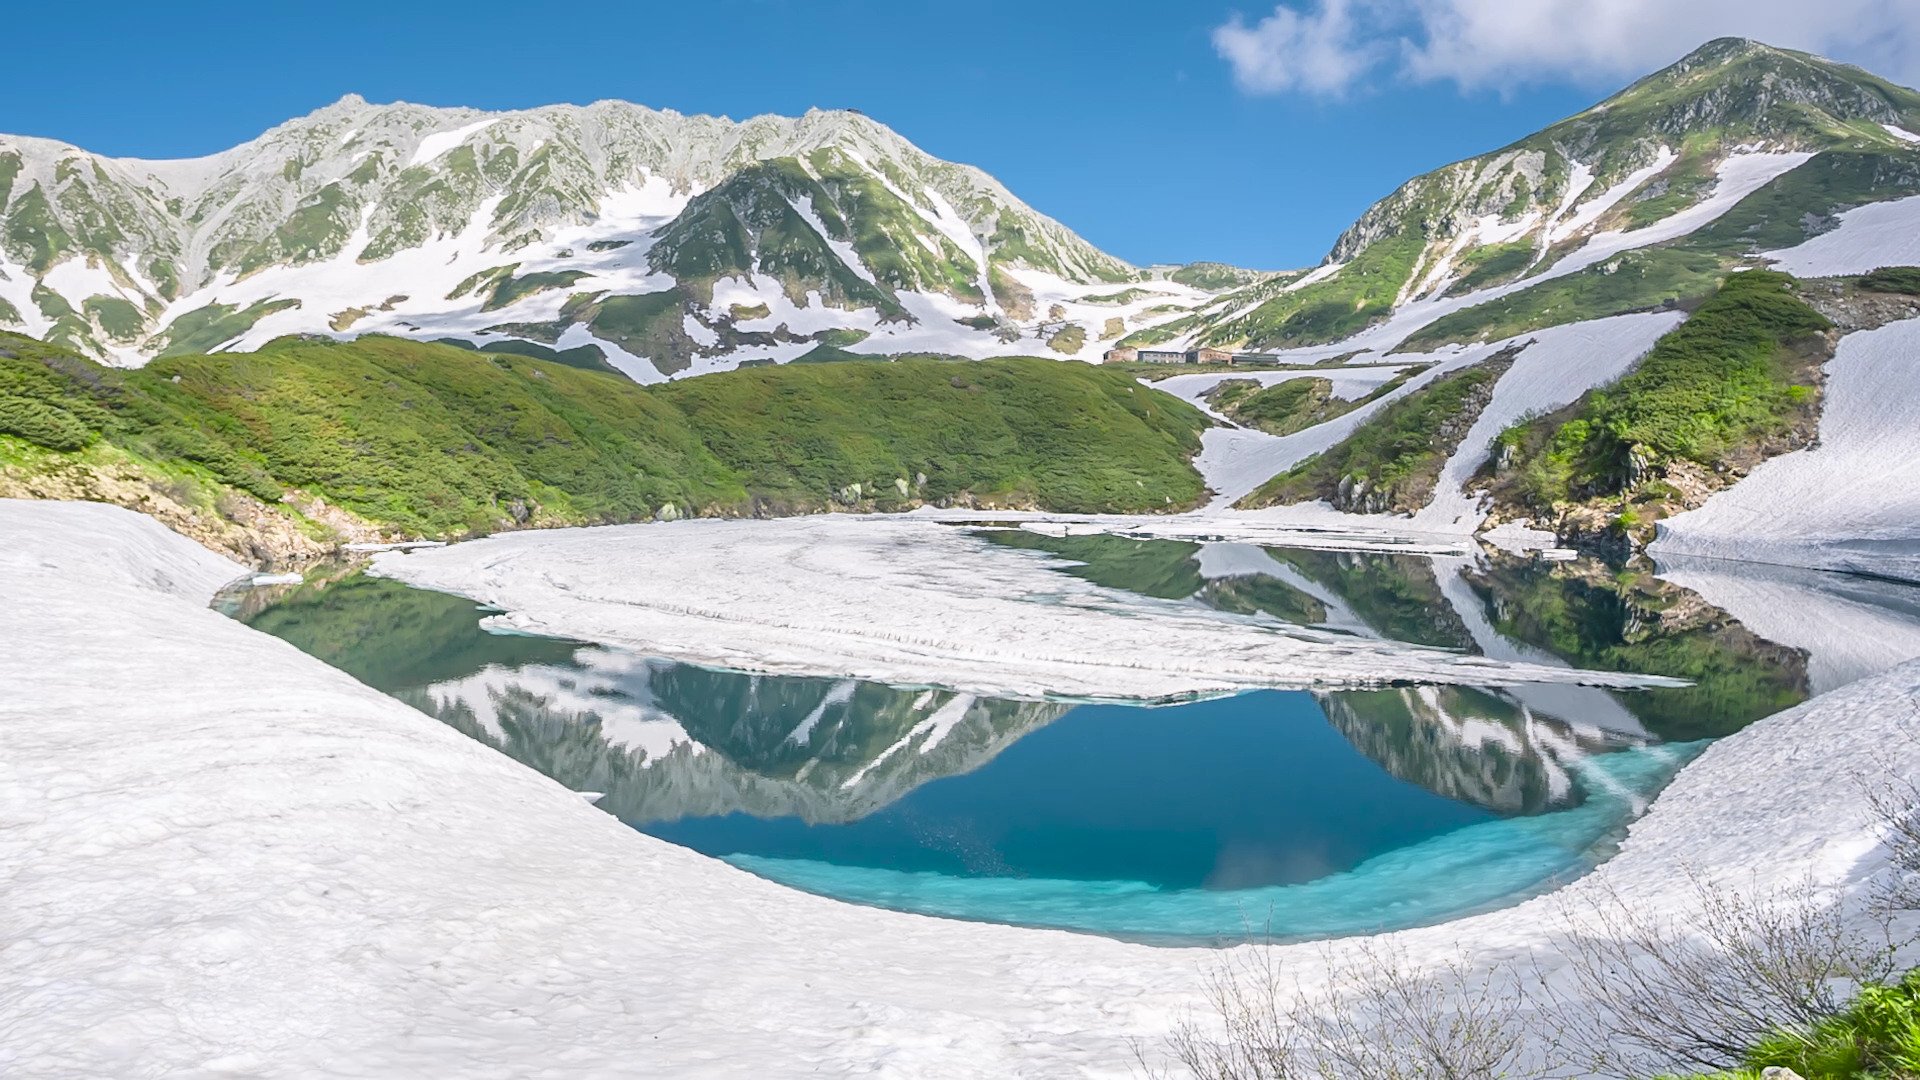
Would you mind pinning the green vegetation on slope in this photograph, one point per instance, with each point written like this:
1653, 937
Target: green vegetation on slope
1391, 462
1734, 373
1280, 409
1296, 404
216, 324
1804, 202
1893, 279
1359, 294
1644, 280
1014, 432
447, 441
1212, 275
437, 439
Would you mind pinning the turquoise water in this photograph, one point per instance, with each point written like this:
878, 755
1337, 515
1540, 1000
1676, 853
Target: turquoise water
1283, 814
1477, 867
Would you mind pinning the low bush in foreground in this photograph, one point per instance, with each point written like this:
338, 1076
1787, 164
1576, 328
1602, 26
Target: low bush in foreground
1877, 1037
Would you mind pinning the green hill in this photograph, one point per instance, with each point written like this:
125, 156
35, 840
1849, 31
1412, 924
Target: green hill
436, 440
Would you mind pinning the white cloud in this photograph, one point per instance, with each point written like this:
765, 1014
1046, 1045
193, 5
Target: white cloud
1336, 45
1323, 52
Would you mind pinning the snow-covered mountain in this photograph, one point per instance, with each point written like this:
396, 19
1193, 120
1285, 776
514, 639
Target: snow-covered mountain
1732, 123
671, 243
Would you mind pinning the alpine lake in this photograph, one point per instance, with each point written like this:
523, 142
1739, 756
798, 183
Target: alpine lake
1282, 815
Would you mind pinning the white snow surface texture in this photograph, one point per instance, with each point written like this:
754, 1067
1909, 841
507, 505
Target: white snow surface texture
221, 857
907, 601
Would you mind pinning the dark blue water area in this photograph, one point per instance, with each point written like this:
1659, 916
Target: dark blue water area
1225, 794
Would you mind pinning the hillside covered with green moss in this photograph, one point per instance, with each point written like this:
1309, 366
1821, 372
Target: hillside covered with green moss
429, 439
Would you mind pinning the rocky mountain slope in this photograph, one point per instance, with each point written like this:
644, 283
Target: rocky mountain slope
1644, 199
667, 242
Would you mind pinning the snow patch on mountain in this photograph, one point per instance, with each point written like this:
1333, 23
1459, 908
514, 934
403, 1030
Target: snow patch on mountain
1739, 176
440, 142
1589, 212
1868, 237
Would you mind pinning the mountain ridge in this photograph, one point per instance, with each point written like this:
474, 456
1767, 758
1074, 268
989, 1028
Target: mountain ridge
672, 244
146, 234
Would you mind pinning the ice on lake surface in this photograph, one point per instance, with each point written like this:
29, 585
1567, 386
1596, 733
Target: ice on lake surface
1288, 813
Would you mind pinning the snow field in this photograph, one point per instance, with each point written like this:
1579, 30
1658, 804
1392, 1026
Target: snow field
1869, 237
223, 857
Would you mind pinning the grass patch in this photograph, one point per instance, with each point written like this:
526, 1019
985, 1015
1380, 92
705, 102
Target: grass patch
1878, 1035
1005, 433
1284, 407
118, 317
1893, 279
217, 324
514, 289
1643, 280
1490, 265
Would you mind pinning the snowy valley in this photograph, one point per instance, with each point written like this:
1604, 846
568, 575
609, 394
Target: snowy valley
596, 591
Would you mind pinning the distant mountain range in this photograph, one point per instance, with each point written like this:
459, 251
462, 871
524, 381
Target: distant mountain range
664, 244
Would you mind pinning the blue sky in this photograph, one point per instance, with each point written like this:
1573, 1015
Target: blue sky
1143, 126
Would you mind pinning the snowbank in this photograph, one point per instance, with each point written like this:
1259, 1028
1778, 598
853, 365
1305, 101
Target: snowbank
1852, 501
909, 602
1869, 237
223, 857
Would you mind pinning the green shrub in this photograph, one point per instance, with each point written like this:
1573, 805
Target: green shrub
1893, 279
442, 440
47, 425
1876, 1037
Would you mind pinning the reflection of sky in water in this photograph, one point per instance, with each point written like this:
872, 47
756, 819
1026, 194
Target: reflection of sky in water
1317, 813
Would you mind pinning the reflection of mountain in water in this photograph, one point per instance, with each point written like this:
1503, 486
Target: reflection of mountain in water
1626, 619
1469, 745
665, 741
